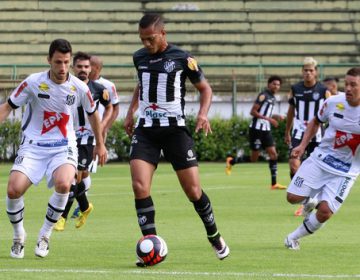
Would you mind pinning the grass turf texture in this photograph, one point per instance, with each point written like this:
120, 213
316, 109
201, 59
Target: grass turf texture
253, 220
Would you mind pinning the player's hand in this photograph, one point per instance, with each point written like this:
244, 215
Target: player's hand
287, 139
129, 125
273, 122
297, 152
101, 152
202, 122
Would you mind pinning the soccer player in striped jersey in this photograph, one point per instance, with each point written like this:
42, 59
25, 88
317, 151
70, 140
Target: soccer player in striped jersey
260, 130
85, 141
159, 99
305, 99
331, 170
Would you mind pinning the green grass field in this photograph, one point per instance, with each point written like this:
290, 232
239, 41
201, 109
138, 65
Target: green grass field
253, 220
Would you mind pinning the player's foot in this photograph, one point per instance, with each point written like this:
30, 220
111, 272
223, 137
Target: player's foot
139, 263
298, 212
309, 207
220, 248
42, 247
81, 220
228, 165
292, 244
17, 249
76, 213
278, 186
60, 224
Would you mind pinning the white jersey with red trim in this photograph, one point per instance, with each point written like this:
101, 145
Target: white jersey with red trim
50, 107
339, 150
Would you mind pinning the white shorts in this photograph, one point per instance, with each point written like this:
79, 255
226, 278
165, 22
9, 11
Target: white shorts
36, 162
311, 180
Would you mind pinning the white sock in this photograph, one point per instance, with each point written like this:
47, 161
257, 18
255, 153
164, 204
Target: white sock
309, 226
15, 211
56, 207
87, 182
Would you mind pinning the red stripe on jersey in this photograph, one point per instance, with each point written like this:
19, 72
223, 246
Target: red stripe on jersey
90, 98
21, 88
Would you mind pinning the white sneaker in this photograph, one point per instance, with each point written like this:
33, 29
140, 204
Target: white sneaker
17, 249
292, 244
309, 207
220, 248
42, 247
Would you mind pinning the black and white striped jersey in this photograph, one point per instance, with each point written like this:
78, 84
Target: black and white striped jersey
307, 102
266, 100
162, 79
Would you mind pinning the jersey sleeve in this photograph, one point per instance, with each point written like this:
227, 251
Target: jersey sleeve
114, 97
291, 99
105, 97
87, 101
260, 98
193, 70
21, 95
323, 114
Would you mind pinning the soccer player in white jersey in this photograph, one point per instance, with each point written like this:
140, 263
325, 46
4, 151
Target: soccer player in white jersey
331, 170
96, 67
48, 145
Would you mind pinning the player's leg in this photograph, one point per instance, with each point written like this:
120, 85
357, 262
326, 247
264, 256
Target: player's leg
85, 206
17, 186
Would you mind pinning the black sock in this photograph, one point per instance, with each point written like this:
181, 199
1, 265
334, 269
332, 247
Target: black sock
72, 194
145, 211
81, 197
204, 209
273, 171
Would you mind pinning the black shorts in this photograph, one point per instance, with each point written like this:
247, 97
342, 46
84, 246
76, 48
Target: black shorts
176, 144
85, 156
309, 149
260, 139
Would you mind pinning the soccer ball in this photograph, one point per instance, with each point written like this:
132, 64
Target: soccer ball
151, 249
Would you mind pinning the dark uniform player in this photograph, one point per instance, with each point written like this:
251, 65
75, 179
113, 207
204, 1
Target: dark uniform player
260, 130
305, 100
85, 141
162, 71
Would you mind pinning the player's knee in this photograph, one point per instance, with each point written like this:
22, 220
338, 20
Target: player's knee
13, 192
292, 198
193, 192
323, 213
140, 189
62, 186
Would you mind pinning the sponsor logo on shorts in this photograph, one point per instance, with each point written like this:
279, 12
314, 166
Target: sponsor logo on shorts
342, 190
19, 160
298, 181
190, 155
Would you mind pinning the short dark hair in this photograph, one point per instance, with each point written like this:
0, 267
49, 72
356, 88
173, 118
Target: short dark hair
151, 19
331, 78
274, 78
355, 71
81, 56
60, 45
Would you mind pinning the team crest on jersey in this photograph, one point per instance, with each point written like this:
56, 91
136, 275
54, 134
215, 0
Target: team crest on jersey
44, 87
169, 66
316, 95
70, 99
340, 106
192, 64
53, 119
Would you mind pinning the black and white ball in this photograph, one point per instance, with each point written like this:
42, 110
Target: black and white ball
151, 249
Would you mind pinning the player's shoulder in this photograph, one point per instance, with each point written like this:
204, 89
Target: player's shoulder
96, 85
38, 77
105, 82
140, 54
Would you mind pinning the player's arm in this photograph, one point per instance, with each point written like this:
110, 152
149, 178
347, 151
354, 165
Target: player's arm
310, 132
106, 118
129, 119
202, 121
5, 110
289, 119
99, 149
255, 113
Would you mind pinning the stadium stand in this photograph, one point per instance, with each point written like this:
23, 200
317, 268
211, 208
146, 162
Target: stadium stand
216, 32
